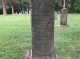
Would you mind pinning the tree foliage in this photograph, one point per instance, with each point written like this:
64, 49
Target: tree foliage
24, 5
19, 5
73, 5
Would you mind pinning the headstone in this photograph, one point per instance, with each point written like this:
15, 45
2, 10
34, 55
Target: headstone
55, 13
16, 13
63, 20
42, 29
19, 13
64, 13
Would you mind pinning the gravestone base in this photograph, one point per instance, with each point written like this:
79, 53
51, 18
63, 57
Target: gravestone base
44, 57
64, 25
28, 55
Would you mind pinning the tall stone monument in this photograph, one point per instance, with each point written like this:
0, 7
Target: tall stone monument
42, 29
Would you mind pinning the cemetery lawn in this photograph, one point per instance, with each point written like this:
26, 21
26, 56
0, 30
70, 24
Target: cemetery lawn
67, 39
15, 37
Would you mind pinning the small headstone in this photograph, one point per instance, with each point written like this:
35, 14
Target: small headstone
16, 13
19, 13
63, 20
55, 15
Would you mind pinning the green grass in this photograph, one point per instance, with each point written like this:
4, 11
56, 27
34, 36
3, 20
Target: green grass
67, 39
15, 37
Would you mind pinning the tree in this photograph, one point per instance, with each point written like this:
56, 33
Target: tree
58, 5
4, 7
12, 6
75, 6
42, 29
25, 5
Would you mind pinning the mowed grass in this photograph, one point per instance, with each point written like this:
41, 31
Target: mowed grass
67, 39
15, 37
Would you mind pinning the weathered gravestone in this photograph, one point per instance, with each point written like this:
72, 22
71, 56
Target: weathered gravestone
42, 29
55, 15
64, 13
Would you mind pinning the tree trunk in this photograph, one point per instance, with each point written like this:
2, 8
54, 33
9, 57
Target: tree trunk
42, 29
64, 13
12, 9
4, 7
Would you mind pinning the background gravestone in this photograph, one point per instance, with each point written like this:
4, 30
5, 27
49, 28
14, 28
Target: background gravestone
55, 15
64, 13
42, 29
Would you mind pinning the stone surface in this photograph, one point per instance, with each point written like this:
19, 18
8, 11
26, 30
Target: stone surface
64, 14
28, 55
55, 15
42, 29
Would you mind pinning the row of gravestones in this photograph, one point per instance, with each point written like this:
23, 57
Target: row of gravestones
23, 12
